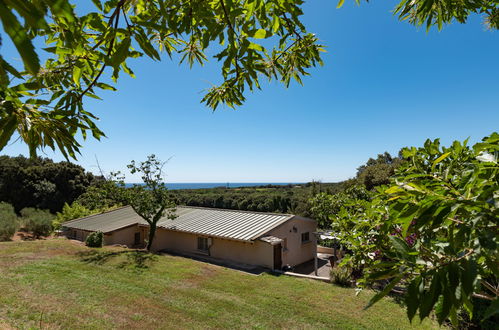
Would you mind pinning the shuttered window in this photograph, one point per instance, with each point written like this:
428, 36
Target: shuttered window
203, 244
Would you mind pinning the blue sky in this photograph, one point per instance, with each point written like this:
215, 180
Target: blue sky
385, 85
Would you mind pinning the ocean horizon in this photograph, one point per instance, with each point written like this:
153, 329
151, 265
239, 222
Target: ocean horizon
207, 185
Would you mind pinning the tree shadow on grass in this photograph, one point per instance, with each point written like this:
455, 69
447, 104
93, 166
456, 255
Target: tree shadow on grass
137, 260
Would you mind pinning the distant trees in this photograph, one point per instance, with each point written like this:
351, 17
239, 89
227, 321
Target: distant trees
41, 183
377, 171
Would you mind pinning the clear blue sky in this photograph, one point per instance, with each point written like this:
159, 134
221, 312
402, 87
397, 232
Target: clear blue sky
385, 85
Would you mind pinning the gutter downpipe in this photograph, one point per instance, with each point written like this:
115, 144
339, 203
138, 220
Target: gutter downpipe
315, 255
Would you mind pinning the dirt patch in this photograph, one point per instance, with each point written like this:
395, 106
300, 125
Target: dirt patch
27, 236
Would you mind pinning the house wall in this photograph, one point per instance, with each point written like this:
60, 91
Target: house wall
124, 236
256, 253
294, 252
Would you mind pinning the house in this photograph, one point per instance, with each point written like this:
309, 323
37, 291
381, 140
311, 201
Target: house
253, 238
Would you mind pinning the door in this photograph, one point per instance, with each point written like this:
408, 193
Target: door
277, 257
136, 240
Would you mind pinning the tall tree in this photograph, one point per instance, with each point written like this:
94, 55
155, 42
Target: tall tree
150, 200
44, 103
41, 183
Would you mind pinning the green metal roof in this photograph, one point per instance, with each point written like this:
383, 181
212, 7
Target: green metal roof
230, 224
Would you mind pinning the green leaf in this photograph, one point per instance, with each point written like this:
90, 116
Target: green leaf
20, 39
62, 8
430, 297
385, 291
260, 34
76, 75
412, 298
439, 159
401, 246
121, 53
340, 4
7, 128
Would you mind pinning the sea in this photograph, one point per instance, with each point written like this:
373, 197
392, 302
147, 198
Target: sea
207, 185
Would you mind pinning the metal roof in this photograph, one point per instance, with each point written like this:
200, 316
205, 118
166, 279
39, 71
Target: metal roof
106, 222
230, 224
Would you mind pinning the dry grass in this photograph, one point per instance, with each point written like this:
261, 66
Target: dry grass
48, 284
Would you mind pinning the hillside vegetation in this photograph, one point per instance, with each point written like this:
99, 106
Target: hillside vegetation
60, 284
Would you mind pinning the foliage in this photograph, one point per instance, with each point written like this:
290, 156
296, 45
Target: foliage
434, 229
421, 12
8, 221
44, 103
95, 239
41, 183
293, 198
341, 275
335, 211
70, 212
150, 200
102, 195
377, 171
444, 214
38, 222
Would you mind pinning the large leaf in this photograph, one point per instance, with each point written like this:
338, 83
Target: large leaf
20, 38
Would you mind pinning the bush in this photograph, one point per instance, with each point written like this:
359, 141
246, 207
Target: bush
70, 212
341, 275
8, 221
37, 222
95, 239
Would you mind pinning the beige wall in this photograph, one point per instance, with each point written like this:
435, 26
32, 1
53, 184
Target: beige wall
295, 252
256, 253
125, 236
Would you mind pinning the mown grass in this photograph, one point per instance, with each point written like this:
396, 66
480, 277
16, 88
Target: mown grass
59, 284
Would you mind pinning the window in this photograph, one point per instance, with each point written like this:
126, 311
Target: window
203, 244
305, 237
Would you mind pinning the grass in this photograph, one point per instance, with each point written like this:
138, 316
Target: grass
59, 284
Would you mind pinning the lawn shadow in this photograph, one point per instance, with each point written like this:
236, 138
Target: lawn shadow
127, 259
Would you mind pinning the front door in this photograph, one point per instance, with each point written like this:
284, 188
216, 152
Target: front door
277, 257
136, 240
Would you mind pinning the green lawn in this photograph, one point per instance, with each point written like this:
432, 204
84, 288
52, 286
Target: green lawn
49, 284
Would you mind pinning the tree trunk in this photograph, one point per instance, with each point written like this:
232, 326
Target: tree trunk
152, 232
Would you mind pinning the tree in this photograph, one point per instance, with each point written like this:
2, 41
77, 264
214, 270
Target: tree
440, 12
377, 171
150, 200
433, 230
40, 183
44, 104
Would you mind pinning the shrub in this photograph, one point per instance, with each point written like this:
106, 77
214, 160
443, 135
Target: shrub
70, 212
341, 275
38, 222
8, 221
95, 239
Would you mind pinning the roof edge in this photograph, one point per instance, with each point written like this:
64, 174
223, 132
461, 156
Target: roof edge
93, 215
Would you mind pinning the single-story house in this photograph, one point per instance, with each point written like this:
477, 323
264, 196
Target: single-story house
253, 238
